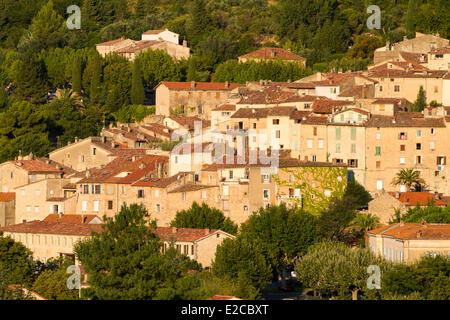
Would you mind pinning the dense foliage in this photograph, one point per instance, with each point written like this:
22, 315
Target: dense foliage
203, 217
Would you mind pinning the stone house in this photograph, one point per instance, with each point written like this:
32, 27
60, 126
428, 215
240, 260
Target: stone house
192, 98
408, 242
108, 47
7, 208
273, 54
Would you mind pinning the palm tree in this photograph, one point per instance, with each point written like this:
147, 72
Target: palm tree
409, 178
365, 222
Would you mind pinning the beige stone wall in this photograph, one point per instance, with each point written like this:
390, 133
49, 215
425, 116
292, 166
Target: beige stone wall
383, 206
80, 155
436, 63
106, 49
7, 212
313, 132
415, 249
46, 246
32, 198
12, 176
391, 156
206, 248
409, 88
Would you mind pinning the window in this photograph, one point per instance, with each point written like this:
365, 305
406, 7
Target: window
381, 88
110, 205
432, 130
28, 208
309, 143
226, 205
86, 189
315, 131
276, 121
320, 143
353, 133
140, 193
402, 147
314, 158
22, 192
353, 148
277, 134
378, 164
432, 145
402, 136
266, 194
176, 159
381, 107
94, 150
352, 163
36, 209
402, 160
33, 178
156, 193
109, 190
396, 88
97, 189
95, 205
225, 190
441, 160
203, 194
158, 207
377, 151
52, 192
338, 133
418, 146
307, 106
254, 125
183, 196
230, 174
378, 136
338, 147
419, 133
379, 184
418, 159
84, 206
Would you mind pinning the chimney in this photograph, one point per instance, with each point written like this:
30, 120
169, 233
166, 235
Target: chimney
185, 43
227, 84
76, 139
192, 84
397, 195
419, 234
207, 231
174, 229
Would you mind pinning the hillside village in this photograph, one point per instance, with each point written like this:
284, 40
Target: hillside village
240, 147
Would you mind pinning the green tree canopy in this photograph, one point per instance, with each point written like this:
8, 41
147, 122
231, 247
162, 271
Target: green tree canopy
124, 261
203, 217
15, 262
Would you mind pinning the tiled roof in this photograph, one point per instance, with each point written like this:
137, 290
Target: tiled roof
388, 100
225, 107
54, 227
35, 166
272, 53
413, 231
327, 106
414, 57
295, 163
174, 85
138, 46
267, 95
157, 129
190, 187
315, 120
71, 218
182, 234
135, 170
111, 42
189, 122
393, 73
359, 110
6, 196
405, 119
258, 113
299, 115
414, 198
445, 50
160, 182
186, 148
355, 91
153, 31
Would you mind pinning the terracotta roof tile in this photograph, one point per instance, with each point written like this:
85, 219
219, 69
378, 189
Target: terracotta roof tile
272, 53
7, 196
413, 231
327, 106
35, 166
191, 187
225, 107
71, 218
111, 42
138, 46
405, 119
153, 31
182, 234
54, 227
421, 198
173, 85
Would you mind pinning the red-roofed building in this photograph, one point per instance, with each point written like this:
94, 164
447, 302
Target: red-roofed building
192, 98
7, 208
271, 54
408, 242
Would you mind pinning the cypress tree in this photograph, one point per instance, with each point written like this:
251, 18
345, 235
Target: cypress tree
191, 74
32, 81
76, 75
137, 88
420, 102
95, 89
410, 19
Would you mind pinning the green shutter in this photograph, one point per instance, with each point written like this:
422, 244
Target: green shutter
353, 133
338, 133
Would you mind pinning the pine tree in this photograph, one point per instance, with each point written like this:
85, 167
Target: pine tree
137, 88
31, 82
76, 75
191, 73
410, 19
